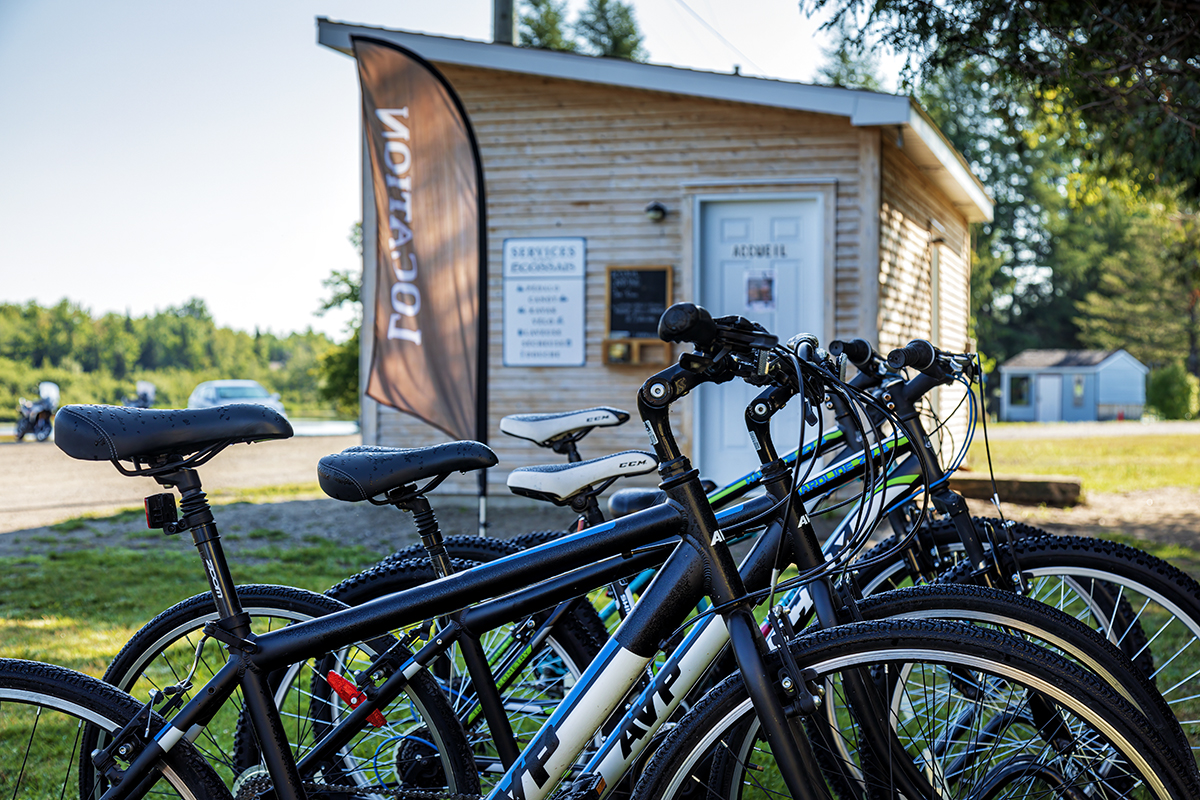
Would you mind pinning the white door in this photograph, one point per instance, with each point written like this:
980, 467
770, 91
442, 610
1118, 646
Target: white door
1049, 398
760, 259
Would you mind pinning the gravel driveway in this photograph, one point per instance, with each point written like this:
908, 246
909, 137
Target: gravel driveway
40, 487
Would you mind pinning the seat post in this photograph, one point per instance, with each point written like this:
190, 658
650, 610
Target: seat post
427, 529
198, 518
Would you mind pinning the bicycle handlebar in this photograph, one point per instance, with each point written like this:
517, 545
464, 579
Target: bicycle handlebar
688, 322
918, 354
858, 351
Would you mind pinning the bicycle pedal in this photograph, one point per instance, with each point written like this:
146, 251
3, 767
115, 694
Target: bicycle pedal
355, 697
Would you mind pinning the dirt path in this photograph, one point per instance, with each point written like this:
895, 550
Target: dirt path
40, 485
47, 499
1167, 516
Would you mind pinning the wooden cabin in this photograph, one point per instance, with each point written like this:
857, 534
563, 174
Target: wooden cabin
839, 212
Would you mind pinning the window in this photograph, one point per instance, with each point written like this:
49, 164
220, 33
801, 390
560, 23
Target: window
1018, 390
1077, 391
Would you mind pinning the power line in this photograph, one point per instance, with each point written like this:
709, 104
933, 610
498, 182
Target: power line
717, 33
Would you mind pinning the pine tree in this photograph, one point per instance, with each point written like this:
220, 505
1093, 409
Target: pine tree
608, 28
1144, 300
849, 65
542, 26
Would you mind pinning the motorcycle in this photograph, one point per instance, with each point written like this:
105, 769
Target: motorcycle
144, 397
38, 417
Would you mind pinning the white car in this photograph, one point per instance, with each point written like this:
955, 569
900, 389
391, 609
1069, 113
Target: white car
223, 393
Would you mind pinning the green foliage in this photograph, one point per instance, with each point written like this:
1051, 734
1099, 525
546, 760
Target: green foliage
339, 375
1172, 393
849, 65
338, 365
604, 28
608, 28
1143, 299
98, 360
1015, 301
542, 26
1128, 71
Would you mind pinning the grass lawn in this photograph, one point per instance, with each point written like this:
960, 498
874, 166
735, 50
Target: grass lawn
78, 608
1105, 464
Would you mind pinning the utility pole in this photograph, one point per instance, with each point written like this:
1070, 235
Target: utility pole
504, 22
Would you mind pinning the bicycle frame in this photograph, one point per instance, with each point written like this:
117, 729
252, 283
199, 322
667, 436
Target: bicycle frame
700, 566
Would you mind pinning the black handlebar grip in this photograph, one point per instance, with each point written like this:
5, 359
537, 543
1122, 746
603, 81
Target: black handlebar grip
918, 354
687, 322
802, 338
858, 351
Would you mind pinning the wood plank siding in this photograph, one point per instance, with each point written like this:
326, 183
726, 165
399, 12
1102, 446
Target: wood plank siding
571, 159
913, 217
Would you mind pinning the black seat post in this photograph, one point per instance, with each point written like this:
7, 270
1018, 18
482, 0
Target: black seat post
197, 517
427, 527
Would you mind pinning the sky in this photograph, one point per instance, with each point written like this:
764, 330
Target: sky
155, 151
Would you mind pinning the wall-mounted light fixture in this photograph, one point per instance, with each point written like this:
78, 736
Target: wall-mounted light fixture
656, 212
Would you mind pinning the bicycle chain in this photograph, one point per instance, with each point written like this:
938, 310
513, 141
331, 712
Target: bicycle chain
252, 787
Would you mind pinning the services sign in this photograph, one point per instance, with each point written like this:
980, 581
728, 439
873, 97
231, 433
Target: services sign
544, 302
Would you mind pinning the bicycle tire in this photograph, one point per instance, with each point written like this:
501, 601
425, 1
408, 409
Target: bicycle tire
1069, 572
1015, 615
479, 549
897, 570
60, 700
171, 638
720, 729
572, 643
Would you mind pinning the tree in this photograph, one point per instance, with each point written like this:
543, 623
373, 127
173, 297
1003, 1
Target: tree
1146, 298
608, 28
338, 366
849, 66
1131, 71
542, 26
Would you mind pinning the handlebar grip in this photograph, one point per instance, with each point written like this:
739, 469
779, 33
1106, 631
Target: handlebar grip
687, 322
858, 351
918, 354
794, 343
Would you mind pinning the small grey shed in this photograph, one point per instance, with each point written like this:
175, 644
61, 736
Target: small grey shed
1072, 386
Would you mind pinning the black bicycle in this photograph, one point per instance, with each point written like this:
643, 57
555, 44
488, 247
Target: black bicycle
1054, 717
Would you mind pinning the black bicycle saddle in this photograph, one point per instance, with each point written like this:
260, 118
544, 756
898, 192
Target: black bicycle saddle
115, 433
363, 472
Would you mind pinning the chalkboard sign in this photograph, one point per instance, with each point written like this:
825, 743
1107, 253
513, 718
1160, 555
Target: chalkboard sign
637, 297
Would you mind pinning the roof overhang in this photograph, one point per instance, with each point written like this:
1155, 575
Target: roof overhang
918, 137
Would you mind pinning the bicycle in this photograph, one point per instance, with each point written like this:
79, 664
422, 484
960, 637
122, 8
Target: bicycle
746, 511
702, 555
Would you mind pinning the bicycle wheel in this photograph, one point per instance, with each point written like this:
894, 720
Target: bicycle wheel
1039, 624
1090, 578
978, 713
164, 651
941, 550
44, 711
530, 690
479, 549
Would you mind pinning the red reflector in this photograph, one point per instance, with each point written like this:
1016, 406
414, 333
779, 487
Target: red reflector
351, 694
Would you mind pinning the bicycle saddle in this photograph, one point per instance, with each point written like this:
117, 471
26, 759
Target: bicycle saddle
114, 433
544, 429
558, 483
362, 472
626, 501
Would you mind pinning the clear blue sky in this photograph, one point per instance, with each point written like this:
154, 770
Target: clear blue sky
153, 151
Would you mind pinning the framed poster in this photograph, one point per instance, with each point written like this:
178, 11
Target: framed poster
544, 302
